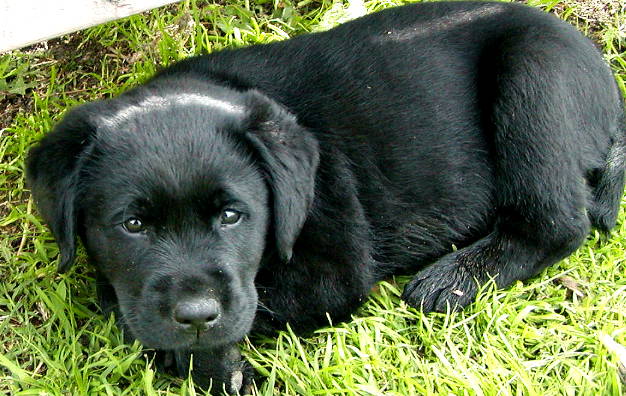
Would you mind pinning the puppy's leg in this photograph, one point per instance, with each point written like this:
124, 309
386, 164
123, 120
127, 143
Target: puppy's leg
546, 137
506, 255
222, 369
542, 224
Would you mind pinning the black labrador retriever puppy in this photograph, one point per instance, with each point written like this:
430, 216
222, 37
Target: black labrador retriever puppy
250, 188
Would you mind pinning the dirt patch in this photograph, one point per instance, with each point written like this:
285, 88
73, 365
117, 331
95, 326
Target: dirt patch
11, 105
597, 12
593, 16
35, 64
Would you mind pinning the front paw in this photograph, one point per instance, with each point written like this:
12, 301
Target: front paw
242, 379
445, 283
241, 375
221, 370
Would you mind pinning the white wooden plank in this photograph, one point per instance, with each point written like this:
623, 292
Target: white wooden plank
24, 22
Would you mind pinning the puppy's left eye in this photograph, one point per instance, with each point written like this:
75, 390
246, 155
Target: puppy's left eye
230, 217
134, 225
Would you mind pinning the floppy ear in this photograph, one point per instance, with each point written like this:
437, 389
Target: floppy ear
52, 172
289, 156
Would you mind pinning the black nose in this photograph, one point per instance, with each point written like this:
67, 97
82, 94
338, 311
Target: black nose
197, 314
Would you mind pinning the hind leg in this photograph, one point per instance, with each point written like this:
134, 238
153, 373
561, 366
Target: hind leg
539, 156
539, 220
511, 252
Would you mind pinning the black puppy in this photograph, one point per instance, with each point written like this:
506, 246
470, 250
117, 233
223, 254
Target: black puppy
256, 187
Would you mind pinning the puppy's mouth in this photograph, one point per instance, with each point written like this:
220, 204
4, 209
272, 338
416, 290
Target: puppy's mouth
193, 339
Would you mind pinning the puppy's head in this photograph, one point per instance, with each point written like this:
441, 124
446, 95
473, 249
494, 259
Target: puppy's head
173, 189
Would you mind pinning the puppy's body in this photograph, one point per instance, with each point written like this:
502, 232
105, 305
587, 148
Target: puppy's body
396, 97
354, 154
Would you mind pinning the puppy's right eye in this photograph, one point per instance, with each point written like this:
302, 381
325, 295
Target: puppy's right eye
134, 225
230, 217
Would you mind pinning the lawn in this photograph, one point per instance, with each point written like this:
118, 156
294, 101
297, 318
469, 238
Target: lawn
552, 335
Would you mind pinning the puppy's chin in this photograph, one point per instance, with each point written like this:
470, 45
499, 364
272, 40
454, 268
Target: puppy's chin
154, 331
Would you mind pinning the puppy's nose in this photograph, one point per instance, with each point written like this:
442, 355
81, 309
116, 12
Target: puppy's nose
197, 314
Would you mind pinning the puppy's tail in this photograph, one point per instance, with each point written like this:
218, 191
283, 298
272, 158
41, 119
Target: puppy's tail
609, 183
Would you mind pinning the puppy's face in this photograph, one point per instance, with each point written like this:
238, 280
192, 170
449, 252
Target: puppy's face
173, 187
175, 217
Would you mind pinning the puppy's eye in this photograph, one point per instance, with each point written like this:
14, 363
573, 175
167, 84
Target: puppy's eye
134, 225
230, 217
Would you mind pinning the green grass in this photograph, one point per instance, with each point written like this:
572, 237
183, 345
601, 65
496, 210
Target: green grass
541, 337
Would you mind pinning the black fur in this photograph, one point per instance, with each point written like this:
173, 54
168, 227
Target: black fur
352, 155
